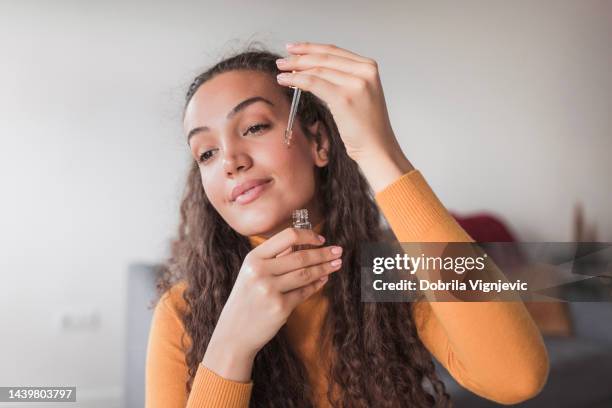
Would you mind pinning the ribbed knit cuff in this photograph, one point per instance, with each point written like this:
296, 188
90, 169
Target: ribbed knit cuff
414, 212
211, 390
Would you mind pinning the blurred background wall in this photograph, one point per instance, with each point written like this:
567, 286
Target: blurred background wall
504, 106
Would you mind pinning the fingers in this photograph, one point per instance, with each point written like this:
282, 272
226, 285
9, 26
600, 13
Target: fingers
306, 47
331, 75
297, 296
327, 71
279, 243
285, 252
338, 78
304, 259
304, 276
320, 87
342, 64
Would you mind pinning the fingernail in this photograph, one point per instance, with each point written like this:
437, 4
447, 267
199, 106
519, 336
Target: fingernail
336, 262
336, 250
292, 44
321, 238
324, 279
281, 62
283, 77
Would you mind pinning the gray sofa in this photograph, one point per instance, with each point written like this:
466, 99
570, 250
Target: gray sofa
580, 375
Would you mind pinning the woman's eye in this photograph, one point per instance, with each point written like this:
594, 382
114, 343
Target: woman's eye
256, 128
205, 156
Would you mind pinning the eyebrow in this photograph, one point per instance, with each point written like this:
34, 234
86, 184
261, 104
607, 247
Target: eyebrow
242, 105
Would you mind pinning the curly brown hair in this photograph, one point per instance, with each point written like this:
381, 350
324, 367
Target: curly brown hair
378, 359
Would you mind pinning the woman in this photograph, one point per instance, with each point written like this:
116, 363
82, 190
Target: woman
243, 319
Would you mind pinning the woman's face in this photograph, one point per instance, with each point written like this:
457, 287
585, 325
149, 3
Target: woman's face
235, 124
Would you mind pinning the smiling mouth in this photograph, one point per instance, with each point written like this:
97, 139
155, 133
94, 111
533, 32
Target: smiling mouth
252, 193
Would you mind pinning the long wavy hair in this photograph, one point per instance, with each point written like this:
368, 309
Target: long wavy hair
378, 360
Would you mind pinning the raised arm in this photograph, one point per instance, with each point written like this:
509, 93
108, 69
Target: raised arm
494, 349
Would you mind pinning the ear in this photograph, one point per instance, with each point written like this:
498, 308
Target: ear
319, 145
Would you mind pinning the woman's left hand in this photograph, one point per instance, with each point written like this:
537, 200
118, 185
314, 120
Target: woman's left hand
351, 87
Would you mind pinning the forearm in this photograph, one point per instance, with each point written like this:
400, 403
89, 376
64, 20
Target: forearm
382, 168
228, 361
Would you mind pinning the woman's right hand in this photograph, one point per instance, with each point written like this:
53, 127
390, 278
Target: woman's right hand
271, 283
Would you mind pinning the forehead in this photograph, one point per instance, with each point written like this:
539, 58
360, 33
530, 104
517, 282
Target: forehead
217, 96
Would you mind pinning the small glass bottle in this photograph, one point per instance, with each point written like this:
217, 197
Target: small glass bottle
300, 220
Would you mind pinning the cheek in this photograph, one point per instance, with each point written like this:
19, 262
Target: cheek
296, 170
212, 188
293, 161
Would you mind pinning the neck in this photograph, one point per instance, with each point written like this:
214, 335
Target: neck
314, 215
260, 238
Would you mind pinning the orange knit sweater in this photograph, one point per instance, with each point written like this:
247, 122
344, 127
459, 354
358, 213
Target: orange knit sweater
494, 349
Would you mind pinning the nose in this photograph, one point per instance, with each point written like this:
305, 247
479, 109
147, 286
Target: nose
235, 159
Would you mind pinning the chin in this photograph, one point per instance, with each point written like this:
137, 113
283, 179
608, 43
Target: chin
263, 225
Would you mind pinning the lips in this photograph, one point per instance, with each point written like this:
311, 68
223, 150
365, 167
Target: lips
247, 185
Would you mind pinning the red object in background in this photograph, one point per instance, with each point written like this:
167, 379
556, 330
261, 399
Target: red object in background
485, 227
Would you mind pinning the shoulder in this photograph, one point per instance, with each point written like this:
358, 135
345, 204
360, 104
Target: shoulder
172, 299
167, 323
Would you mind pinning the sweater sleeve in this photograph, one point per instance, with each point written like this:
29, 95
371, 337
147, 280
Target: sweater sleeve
493, 349
166, 370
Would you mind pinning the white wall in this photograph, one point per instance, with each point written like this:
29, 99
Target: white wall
504, 106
